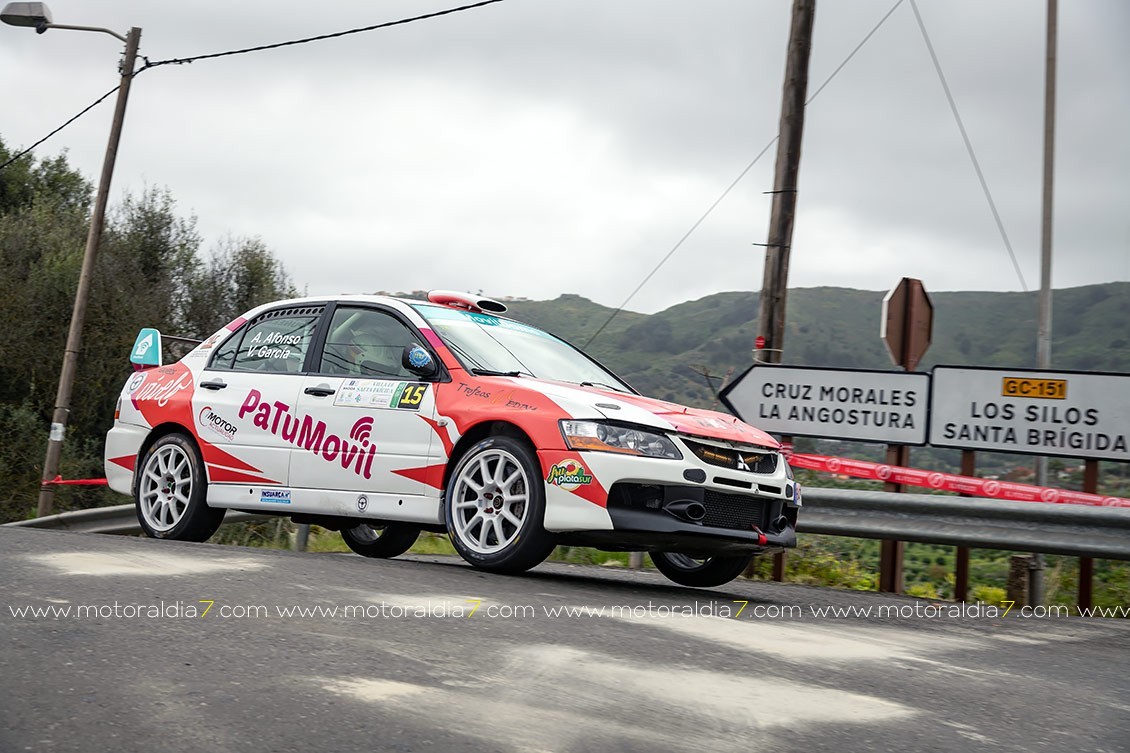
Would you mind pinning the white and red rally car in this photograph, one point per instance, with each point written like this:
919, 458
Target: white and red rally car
382, 417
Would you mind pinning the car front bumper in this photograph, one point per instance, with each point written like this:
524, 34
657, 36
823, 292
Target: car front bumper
675, 505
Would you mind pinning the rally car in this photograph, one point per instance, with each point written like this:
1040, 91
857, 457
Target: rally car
381, 417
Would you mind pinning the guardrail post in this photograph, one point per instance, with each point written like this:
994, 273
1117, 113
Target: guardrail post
1019, 574
1086, 564
779, 567
961, 556
890, 552
301, 537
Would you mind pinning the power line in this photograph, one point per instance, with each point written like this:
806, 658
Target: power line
84, 111
741, 175
969, 147
181, 61
335, 35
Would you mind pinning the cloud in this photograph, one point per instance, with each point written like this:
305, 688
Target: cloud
535, 147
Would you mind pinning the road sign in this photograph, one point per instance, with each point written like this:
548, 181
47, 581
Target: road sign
1063, 413
907, 322
866, 406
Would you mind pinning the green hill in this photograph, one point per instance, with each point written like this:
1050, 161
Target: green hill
667, 354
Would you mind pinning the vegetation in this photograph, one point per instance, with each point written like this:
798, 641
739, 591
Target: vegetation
146, 248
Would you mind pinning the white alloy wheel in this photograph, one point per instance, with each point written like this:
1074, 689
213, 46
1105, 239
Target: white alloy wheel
490, 501
165, 487
170, 492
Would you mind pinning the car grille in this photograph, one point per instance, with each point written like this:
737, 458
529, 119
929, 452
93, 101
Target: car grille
733, 511
754, 461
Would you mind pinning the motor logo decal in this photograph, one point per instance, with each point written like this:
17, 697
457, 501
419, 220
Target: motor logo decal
217, 423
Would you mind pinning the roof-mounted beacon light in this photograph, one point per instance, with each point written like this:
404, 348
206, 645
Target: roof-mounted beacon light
466, 301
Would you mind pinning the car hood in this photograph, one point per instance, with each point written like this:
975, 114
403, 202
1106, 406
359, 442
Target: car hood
647, 411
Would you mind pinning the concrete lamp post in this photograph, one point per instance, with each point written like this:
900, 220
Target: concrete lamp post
38, 17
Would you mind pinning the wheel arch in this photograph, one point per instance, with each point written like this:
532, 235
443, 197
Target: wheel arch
163, 430
479, 432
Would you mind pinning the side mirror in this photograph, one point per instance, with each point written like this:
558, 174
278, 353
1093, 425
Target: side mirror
418, 360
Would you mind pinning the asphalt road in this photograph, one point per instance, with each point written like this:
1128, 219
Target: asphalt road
411, 669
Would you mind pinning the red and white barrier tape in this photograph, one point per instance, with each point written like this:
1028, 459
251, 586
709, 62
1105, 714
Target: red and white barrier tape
978, 487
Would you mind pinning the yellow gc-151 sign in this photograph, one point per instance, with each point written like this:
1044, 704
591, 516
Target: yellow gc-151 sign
1049, 389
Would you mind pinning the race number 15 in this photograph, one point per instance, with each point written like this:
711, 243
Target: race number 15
412, 396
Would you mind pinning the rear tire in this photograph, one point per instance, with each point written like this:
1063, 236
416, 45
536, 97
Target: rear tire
170, 492
494, 507
380, 540
699, 573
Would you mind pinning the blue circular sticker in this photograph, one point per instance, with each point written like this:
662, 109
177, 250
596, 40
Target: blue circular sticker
418, 358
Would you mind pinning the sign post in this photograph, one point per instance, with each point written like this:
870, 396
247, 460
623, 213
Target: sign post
906, 326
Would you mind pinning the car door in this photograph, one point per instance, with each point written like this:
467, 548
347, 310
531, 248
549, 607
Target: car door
246, 401
365, 417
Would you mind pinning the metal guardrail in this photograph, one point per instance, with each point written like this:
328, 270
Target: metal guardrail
120, 519
1075, 530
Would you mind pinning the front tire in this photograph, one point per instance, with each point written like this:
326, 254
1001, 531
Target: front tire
170, 492
380, 540
495, 505
699, 573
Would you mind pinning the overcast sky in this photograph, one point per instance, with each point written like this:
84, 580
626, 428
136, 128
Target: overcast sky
540, 147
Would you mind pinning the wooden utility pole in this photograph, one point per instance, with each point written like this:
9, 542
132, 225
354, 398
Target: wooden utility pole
774, 287
1044, 328
771, 314
89, 260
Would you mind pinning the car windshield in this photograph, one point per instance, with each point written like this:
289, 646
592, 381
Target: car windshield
492, 344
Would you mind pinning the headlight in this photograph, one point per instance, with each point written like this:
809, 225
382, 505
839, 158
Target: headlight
595, 435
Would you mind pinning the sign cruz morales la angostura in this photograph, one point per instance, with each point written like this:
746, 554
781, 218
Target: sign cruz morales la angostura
1067, 414
867, 406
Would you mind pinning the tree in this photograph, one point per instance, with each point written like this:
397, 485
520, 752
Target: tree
149, 274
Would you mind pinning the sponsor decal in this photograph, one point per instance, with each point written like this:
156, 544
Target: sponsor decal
374, 393
162, 390
362, 503
354, 453
418, 358
146, 348
210, 342
487, 319
217, 423
503, 398
275, 496
136, 381
471, 390
569, 475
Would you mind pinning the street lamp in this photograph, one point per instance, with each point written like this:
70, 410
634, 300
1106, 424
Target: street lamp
38, 16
